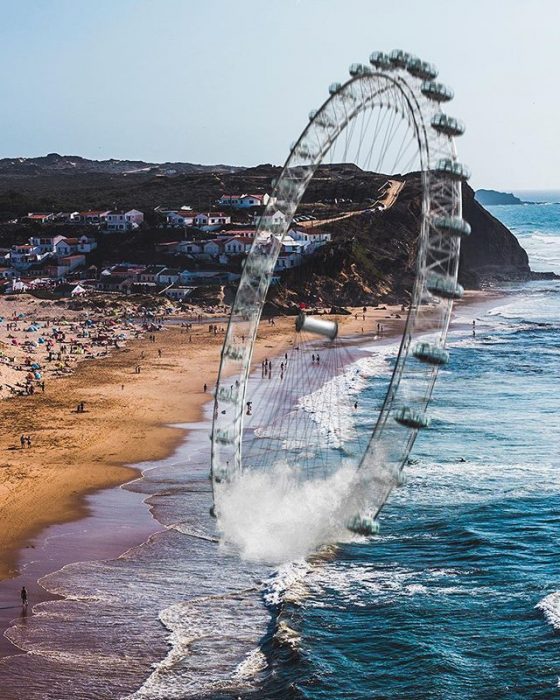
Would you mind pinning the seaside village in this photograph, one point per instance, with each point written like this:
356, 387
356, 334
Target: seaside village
211, 243
71, 307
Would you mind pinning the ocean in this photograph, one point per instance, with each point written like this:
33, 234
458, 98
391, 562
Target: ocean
457, 598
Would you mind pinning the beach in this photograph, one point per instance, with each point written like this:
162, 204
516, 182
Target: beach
172, 575
127, 419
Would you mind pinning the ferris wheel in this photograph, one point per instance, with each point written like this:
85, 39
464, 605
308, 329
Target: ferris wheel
384, 133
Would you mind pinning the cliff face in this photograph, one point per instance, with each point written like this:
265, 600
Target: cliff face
372, 258
491, 252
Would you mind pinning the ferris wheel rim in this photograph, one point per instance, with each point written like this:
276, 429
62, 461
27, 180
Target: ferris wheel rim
396, 82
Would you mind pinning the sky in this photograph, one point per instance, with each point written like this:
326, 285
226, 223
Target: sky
232, 81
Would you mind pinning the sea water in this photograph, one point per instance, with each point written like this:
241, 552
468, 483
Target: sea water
458, 597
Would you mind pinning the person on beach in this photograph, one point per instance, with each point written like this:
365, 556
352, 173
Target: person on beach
205, 388
28, 440
474, 329
22, 441
23, 596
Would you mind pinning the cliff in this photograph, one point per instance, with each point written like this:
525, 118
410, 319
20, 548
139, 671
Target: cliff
372, 258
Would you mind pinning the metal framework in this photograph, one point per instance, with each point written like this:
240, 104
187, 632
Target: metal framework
406, 84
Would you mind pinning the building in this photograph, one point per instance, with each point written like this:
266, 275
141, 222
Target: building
238, 245
65, 246
90, 217
181, 218
310, 236
169, 275
272, 221
191, 247
86, 244
243, 201
178, 293
40, 217
210, 221
150, 274
124, 220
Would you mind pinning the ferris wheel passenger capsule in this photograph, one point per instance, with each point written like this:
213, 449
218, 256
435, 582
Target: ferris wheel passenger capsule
399, 58
450, 126
438, 92
444, 287
357, 69
410, 418
422, 69
334, 88
380, 60
452, 169
363, 525
431, 354
452, 225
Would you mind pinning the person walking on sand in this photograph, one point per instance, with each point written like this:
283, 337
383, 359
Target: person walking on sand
23, 596
22, 441
28, 440
474, 329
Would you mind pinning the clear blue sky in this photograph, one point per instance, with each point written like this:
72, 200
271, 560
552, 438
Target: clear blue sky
232, 81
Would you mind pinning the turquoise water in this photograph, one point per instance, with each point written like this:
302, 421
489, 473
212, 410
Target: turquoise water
457, 599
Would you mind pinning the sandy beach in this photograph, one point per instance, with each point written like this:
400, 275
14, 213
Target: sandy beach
126, 418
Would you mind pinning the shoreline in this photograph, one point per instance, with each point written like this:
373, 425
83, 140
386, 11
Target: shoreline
89, 504
129, 419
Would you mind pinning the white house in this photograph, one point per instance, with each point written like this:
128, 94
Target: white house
86, 244
272, 221
168, 276
244, 232
210, 221
181, 218
238, 245
150, 274
243, 201
178, 293
91, 217
40, 217
288, 260
310, 236
44, 244
23, 256
66, 265
124, 220
65, 246
191, 247
214, 248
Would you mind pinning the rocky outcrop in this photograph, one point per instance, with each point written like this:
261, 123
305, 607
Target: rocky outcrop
493, 197
491, 253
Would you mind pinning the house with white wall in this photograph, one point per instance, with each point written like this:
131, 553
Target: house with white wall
65, 246
210, 221
86, 244
238, 245
272, 221
124, 220
243, 201
181, 218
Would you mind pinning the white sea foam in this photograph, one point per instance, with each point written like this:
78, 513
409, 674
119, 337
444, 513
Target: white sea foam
274, 517
325, 406
550, 606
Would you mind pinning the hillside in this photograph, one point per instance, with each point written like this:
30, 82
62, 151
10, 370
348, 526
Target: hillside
371, 257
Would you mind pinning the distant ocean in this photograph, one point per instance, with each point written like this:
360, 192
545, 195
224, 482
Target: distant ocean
458, 598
